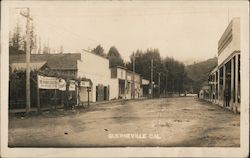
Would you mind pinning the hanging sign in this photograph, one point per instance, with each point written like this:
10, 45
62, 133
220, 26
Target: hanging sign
84, 84
47, 82
72, 86
61, 84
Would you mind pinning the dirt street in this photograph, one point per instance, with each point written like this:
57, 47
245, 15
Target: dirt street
180, 122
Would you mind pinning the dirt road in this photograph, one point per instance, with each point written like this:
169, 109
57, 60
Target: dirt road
180, 122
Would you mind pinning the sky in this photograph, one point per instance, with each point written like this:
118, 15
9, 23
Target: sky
187, 32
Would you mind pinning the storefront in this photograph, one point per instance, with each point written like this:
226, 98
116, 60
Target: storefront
224, 80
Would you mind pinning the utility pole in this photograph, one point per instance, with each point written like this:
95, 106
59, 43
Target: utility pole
133, 76
166, 86
159, 84
152, 79
28, 17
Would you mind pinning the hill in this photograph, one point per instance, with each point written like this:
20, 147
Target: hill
198, 72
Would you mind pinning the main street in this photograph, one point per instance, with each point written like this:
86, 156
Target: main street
183, 122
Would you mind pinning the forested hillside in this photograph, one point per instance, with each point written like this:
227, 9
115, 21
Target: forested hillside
198, 72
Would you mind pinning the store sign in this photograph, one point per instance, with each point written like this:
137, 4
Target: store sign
72, 85
55, 83
47, 82
61, 84
84, 84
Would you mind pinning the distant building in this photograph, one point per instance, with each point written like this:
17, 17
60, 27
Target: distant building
133, 88
204, 93
225, 79
124, 78
213, 85
119, 74
145, 85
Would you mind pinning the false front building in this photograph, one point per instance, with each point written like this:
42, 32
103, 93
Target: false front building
224, 80
96, 68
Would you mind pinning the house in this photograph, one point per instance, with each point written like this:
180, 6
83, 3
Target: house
64, 64
17, 83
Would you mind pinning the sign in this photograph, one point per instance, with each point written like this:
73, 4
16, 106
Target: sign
47, 82
55, 83
84, 84
145, 82
61, 84
88, 89
72, 85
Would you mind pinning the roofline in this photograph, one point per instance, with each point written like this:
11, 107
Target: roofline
133, 72
64, 69
118, 66
95, 54
45, 62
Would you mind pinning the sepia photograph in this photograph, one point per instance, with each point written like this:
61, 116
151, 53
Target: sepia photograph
117, 74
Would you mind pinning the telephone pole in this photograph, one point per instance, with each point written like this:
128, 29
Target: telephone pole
28, 18
166, 86
159, 84
152, 79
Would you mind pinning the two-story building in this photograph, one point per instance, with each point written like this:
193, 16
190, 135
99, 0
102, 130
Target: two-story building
225, 78
130, 85
119, 74
96, 68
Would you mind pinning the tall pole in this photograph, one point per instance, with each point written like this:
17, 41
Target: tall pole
159, 83
133, 76
166, 86
38, 95
28, 18
152, 79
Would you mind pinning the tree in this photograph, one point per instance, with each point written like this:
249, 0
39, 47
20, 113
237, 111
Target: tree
16, 38
143, 63
99, 51
114, 57
172, 72
17, 43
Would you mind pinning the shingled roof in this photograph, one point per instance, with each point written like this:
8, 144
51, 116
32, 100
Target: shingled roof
54, 61
22, 66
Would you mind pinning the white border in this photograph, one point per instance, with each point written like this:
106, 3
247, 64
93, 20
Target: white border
130, 151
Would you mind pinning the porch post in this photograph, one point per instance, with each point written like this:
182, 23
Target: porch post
232, 83
38, 96
236, 81
224, 84
218, 83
